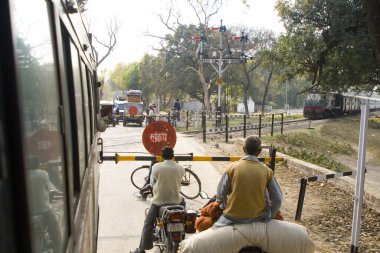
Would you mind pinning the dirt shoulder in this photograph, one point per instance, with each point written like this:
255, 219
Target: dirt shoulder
327, 210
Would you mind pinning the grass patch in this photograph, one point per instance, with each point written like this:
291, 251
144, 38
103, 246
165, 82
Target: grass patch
313, 148
327, 143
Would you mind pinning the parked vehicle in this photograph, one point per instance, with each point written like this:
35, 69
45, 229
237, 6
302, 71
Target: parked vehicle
49, 83
133, 108
107, 113
119, 109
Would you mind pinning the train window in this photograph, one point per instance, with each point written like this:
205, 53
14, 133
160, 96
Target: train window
80, 122
40, 101
85, 105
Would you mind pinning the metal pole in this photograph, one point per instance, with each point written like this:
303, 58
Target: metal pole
282, 123
187, 120
226, 128
301, 198
220, 65
260, 125
271, 129
204, 126
360, 176
245, 126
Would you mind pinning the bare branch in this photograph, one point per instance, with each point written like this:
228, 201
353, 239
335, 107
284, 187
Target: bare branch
112, 30
166, 22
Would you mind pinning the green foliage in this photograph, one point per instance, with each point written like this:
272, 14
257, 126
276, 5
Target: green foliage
327, 41
313, 148
315, 158
315, 142
374, 123
330, 142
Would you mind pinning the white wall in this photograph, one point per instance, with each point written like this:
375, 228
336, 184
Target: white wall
251, 107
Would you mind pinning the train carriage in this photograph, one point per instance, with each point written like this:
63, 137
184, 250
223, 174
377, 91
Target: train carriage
321, 105
48, 129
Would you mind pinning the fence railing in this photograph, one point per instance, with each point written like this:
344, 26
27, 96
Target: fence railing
210, 123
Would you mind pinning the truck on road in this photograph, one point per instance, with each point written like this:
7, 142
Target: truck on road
132, 109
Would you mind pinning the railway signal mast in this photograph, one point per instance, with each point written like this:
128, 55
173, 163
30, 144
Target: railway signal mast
218, 62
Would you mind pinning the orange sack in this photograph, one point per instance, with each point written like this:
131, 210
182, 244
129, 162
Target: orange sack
209, 214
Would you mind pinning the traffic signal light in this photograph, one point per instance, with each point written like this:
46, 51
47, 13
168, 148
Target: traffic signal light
222, 29
203, 38
244, 38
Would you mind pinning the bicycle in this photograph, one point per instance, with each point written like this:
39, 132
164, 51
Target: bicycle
190, 188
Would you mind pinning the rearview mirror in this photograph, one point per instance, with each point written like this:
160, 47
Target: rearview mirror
203, 195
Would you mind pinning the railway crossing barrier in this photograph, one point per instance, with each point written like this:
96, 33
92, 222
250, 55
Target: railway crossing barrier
122, 158
271, 160
304, 181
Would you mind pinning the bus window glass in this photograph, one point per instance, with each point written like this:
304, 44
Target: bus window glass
85, 105
6, 228
91, 101
81, 142
40, 103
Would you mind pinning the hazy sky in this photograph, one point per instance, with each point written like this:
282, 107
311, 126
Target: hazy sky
138, 17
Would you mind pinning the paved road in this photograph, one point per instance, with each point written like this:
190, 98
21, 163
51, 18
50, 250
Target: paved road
121, 213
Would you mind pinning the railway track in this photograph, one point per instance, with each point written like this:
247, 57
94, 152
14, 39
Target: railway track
265, 128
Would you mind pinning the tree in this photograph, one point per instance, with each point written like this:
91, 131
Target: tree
157, 79
82, 5
118, 75
176, 43
327, 41
372, 11
108, 42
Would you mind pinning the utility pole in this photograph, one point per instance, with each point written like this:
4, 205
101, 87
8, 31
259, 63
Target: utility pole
220, 61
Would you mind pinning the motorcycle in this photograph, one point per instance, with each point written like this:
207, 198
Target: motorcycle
43, 242
171, 226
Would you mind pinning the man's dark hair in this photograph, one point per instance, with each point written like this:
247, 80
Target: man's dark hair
167, 153
33, 162
252, 145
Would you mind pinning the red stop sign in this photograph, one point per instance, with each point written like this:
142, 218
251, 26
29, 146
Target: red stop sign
157, 135
133, 110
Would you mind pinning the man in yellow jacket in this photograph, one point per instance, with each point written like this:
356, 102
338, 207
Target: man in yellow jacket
248, 189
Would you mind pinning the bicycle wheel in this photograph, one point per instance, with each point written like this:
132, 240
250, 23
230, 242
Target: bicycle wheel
139, 176
190, 184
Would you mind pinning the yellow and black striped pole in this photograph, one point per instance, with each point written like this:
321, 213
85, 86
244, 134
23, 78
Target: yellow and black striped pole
122, 158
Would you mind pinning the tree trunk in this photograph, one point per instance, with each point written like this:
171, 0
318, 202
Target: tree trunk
372, 10
266, 91
245, 97
245, 90
206, 101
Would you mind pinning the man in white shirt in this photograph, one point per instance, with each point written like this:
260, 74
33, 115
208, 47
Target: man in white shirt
40, 187
166, 180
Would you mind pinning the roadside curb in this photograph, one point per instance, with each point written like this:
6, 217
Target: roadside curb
347, 184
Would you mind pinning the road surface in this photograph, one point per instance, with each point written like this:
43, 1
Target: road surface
121, 213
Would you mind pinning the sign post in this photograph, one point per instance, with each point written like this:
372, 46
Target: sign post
157, 135
358, 198
221, 59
